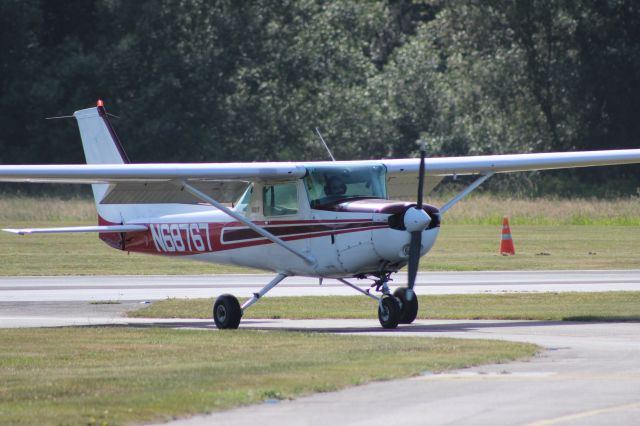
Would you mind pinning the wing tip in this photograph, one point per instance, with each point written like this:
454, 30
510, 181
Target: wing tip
17, 231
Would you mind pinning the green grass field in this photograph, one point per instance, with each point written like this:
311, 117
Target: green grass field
548, 234
606, 306
111, 375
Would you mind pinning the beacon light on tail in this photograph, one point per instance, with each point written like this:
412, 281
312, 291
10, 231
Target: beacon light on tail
331, 220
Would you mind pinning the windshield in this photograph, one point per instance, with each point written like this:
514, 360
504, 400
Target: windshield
244, 201
328, 184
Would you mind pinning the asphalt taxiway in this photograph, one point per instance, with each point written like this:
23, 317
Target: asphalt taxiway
587, 373
120, 288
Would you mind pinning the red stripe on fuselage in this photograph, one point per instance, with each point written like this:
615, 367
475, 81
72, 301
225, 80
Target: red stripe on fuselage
231, 235
181, 239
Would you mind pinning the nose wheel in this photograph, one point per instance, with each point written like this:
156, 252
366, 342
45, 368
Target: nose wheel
389, 311
408, 304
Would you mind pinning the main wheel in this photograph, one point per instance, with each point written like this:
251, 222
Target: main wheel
409, 304
389, 311
227, 312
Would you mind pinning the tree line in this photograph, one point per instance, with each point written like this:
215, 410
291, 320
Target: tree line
198, 80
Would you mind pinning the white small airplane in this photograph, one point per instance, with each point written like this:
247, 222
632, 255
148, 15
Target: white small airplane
318, 219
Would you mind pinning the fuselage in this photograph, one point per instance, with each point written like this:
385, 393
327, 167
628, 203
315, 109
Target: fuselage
348, 230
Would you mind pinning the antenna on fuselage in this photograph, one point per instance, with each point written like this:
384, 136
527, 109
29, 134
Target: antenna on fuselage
325, 144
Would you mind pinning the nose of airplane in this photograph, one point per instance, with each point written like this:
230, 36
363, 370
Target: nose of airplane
394, 244
410, 218
416, 219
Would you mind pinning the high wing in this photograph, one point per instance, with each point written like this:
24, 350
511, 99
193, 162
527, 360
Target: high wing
447, 166
114, 173
150, 183
402, 176
443, 166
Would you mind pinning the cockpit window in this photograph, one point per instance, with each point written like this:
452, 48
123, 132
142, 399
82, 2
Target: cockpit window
280, 199
332, 183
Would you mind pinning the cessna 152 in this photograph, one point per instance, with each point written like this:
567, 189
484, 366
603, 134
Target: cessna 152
319, 219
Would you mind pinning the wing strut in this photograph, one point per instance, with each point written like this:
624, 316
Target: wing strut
476, 183
240, 218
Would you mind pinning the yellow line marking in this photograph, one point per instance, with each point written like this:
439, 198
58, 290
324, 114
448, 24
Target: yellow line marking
584, 414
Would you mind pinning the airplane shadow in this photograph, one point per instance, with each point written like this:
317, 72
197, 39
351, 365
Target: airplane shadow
418, 328
261, 325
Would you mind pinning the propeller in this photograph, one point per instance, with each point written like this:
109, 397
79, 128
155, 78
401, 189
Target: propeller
416, 220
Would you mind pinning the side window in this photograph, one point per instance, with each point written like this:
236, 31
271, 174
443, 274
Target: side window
280, 199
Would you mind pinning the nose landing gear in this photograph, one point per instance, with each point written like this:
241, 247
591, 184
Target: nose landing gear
399, 308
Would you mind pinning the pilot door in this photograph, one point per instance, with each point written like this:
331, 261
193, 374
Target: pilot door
281, 208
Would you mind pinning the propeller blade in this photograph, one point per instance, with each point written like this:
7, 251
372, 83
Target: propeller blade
421, 176
416, 236
414, 257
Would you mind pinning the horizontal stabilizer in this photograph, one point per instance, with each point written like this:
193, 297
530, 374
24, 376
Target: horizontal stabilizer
71, 229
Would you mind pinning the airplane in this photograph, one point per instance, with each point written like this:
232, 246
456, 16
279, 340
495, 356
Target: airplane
323, 219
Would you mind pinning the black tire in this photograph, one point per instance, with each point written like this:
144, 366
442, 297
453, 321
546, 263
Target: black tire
227, 312
408, 304
389, 311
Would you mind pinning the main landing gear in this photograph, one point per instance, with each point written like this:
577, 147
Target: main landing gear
227, 311
401, 307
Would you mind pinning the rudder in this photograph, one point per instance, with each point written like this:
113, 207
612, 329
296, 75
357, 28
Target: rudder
101, 146
99, 140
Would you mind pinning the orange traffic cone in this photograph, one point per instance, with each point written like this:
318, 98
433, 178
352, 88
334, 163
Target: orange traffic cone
506, 245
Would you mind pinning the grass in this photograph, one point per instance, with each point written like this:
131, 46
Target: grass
41, 209
605, 306
484, 209
85, 254
122, 375
548, 234
476, 209
538, 247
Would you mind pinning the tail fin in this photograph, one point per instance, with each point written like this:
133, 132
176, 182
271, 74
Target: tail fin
99, 140
101, 146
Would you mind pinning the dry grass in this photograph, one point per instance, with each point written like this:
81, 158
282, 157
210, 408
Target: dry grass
482, 209
489, 210
27, 209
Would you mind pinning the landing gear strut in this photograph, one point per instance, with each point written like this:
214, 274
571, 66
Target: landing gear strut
227, 311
